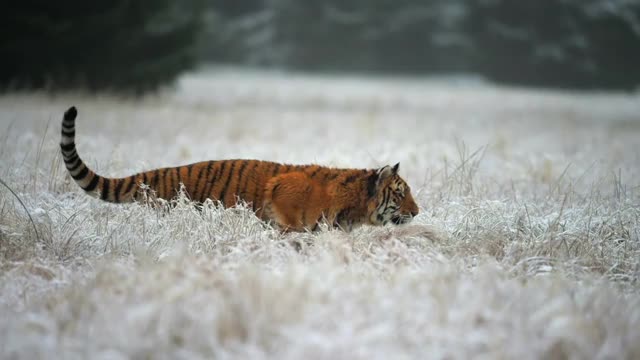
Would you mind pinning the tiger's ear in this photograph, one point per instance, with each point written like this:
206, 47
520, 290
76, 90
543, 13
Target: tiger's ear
386, 171
376, 178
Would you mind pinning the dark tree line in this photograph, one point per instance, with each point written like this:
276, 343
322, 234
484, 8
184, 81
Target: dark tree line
556, 43
119, 45
140, 45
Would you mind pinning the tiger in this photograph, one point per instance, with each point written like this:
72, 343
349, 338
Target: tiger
293, 198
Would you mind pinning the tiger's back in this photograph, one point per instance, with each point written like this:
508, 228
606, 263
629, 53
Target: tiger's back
294, 197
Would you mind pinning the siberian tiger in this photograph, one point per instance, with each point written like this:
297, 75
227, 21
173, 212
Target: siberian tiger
291, 197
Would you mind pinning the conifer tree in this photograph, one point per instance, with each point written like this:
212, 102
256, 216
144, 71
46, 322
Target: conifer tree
118, 45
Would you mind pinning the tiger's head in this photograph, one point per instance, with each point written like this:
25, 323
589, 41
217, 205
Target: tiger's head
391, 199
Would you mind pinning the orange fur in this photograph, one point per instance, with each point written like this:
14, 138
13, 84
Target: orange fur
293, 197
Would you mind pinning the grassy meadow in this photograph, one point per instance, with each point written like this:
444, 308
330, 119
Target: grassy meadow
527, 244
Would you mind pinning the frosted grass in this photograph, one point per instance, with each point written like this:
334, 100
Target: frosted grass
527, 244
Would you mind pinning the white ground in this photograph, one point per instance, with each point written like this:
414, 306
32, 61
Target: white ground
527, 245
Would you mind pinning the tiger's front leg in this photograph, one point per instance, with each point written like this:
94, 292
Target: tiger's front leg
295, 202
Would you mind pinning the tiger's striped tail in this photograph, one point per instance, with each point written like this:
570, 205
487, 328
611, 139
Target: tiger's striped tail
113, 190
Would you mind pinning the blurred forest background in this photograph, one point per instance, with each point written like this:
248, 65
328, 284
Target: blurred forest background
137, 46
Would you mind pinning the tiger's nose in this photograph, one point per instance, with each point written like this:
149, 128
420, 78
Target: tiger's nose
414, 213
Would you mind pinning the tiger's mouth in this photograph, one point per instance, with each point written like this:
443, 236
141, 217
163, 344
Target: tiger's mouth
401, 219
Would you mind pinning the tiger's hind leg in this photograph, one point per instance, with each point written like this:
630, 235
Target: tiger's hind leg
293, 202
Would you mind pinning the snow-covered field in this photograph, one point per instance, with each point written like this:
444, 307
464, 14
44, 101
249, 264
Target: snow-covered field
527, 245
